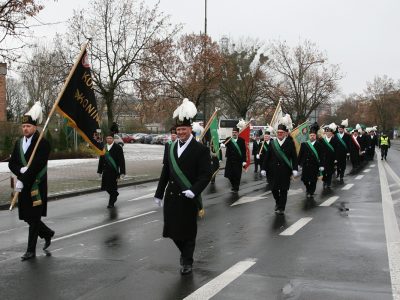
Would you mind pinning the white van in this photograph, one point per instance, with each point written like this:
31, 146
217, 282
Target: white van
225, 128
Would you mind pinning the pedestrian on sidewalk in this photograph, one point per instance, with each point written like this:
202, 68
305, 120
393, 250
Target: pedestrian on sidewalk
111, 168
185, 174
32, 180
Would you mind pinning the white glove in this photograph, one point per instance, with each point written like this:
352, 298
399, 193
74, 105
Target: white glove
244, 164
19, 186
321, 169
23, 170
263, 173
189, 194
295, 173
222, 145
122, 176
158, 201
348, 154
335, 162
258, 156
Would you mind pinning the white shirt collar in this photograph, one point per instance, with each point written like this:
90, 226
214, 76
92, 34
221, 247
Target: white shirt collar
341, 134
181, 149
312, 143
328, 139
281, 142
26, 143
109, 146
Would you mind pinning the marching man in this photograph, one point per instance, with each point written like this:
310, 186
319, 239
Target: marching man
32, 180
185, 174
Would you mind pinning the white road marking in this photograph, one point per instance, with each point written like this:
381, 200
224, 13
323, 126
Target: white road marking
347, 186
395, 192
8, 230
359, 177
372, 166
366, 170
295, 192
296, 226
101, 226
243, 200
142, 197
391, 231
213, 287
330, 201
392, 174
157, 240
154, 221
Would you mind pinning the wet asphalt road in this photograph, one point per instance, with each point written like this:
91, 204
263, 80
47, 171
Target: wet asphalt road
99, 253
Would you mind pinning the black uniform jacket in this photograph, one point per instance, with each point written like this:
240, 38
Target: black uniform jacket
309, 162
234, 161
329, 156
25, 209
110, 175
256, 147
180, 212
279, 171
342, 150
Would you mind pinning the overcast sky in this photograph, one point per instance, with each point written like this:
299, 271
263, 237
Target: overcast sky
362, 36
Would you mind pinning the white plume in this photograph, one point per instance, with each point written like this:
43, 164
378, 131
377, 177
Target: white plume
186, 110
287, 121
345, 123
358, 127
375, 128
197, 127
333, 126
270, 129
369, 129
36, 112
241, 124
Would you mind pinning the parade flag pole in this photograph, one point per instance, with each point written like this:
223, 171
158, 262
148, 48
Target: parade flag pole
208, 123
14, 200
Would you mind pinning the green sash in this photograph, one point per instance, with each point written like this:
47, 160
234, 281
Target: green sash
265, 147
180, 176
35, 193
281, 154
329, 145
341, 140
313, 150
110, 160
237, 147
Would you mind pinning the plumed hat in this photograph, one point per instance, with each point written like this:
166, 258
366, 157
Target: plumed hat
285, 123
34, 116
269, 130
185, 113
344, 124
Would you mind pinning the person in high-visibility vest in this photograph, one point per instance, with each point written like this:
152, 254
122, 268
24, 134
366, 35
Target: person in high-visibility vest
384, 144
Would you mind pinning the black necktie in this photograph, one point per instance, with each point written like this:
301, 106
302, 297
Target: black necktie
181, 143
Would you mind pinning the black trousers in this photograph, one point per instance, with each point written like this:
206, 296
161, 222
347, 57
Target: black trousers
327, 178
310, 186
235, 182
341, 167
113, 195
280, 197
384, 151
257, 162
187, 249
37, 228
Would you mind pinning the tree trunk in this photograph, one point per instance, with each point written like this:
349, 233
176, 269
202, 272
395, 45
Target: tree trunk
109, 97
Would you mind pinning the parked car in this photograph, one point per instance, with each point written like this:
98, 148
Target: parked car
139, 137
159, 139
128, 138
118, 140
148, 138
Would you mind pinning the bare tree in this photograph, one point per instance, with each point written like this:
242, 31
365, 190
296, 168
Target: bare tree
121, 32
302, 77
384, 95
43, 75
16, 99
243, 79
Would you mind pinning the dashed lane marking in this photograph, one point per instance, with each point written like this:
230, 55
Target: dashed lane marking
330, 201
101, 226
246, 199
366, 170
391, 231
359, 177
372, 166
296, 226
347, 186
214, 286
142, 197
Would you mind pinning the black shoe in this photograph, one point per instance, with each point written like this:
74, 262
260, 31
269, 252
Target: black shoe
28, 255
47, 241
186, 270
341, 181
110, 206
381, 158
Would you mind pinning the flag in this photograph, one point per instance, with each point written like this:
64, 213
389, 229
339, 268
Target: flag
215, 137
78, 103
245, 134
278, 115
300, 135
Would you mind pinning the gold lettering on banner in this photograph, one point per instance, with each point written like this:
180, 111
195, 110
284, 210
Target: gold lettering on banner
88, 107
87, 79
